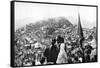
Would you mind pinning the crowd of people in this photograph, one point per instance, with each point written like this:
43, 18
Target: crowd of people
54, 44
60, 51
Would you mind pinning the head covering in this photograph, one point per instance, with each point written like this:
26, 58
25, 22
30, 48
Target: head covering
60, 39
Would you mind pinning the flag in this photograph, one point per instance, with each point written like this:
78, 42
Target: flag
80, 34
79, 31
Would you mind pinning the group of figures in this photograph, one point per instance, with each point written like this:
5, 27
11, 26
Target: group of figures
71, 46
60, 51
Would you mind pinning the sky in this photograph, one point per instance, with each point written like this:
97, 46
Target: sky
26, 13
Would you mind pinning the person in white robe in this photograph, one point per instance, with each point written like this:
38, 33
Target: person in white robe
62, 56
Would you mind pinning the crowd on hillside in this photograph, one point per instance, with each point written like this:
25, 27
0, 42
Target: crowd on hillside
61, 50
54, 41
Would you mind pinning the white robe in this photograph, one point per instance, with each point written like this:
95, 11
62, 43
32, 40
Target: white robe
93, 53
62, 56
93, 43
37, 62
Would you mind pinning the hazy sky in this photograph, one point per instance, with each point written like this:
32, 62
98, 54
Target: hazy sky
26, 13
